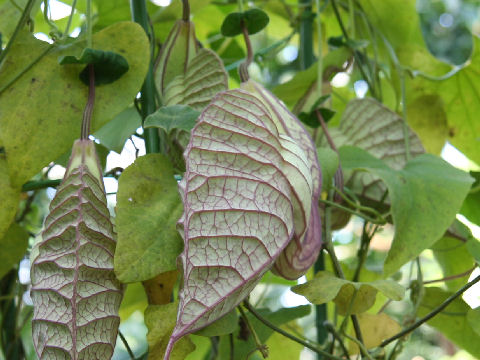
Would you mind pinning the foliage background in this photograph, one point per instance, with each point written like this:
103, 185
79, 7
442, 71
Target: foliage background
447, 27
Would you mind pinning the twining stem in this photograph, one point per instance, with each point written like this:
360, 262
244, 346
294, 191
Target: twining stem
87, 113
362, 347
336, 336
320, 54
125, 343
147, 100
258, 344
23, 19
430, 315
288, 335
70, 18
339, 173
50, 23
451, 277
89, 23
42, 184
243, 69
355, 54
380, 221
186, 10
336, 264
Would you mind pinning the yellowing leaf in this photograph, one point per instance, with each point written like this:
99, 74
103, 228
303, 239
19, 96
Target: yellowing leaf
325, 287
14, 244
160, 321
375, 328
453, 321
9, 198
159, 289
75, 293
45, 118
148, 207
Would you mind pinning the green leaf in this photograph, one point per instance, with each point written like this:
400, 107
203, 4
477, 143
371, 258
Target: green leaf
473, 247
453, 256
427, 118
204, 76
148, 207
223, 326
180, 117
459, 98
325, 287
243, 347
114, 133
255, 20
473, 318
369, 125
134, 299
160, 321
425, 197
14, 244
311, 119
328, 160
470, 207
452, 321
45, 118
9, 198
108, 66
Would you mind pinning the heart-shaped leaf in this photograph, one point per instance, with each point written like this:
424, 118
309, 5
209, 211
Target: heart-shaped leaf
148, 207
45, 118
241, 181
108, 66
254, 20
75, 293
425, 196
180, 117
325, 287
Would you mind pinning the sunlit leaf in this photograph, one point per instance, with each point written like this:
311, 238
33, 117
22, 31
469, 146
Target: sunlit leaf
148, 207
375, 328
14, 244
9, 198
45, 118
325, 287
